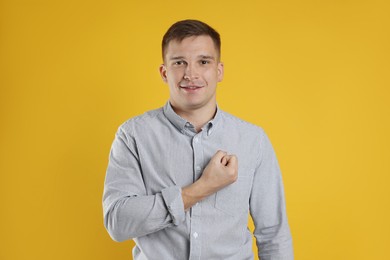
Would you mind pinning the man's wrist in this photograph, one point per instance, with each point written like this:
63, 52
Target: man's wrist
194, 193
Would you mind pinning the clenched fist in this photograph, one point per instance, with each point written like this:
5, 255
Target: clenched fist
221, 171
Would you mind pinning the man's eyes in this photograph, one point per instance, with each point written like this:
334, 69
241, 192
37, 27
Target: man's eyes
181, 62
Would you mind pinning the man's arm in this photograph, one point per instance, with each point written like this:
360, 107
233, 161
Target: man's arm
221, 171
267, 207
130, 213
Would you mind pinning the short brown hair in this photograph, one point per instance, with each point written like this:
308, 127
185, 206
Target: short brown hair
187, 28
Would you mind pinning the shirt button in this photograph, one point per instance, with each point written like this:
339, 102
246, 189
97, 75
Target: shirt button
195, 235
198, 168
195, 139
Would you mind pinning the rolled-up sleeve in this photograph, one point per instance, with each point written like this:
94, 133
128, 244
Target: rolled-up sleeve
267, 207
128, 210
174, 201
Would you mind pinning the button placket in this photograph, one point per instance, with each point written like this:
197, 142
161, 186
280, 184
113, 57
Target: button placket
195, 238
198, 155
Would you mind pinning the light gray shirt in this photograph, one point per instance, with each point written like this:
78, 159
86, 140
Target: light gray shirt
155, 154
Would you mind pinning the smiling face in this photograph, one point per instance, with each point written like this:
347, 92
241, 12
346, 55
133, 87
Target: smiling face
192, 70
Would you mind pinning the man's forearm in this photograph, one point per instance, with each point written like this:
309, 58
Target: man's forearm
194, 193
136, 216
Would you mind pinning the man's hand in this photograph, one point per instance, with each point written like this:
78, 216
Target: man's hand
221, 171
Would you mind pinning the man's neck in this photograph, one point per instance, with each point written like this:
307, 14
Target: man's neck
198, 117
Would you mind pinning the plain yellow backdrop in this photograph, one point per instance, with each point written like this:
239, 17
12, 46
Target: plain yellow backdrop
313, 74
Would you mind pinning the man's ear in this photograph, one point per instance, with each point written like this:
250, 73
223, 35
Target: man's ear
163, 72
220, 71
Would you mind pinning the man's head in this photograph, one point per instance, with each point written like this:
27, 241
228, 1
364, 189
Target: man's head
192, 66
188, 28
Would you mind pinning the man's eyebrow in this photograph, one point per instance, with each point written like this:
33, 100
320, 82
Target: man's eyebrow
206, 57
176, 58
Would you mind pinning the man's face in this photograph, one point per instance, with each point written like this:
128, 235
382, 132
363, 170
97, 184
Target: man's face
192, 71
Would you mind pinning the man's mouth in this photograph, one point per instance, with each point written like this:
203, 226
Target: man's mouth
191, 87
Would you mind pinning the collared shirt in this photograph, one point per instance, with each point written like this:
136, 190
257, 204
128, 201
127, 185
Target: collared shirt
156, 154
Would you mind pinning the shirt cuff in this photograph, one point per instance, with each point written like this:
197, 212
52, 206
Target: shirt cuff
174, 202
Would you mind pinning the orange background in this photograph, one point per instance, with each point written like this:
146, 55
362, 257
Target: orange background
313, 74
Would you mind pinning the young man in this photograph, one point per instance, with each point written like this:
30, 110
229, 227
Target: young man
182, 179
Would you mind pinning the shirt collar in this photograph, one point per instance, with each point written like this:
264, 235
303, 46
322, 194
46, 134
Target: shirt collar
211, 125
174, 118
183, 125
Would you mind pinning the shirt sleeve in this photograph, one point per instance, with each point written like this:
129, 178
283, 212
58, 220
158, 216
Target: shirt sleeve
268, 209
130, 212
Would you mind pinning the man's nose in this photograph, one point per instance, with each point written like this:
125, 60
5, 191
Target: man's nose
191, 72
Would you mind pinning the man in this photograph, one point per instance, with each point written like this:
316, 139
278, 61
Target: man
182, 179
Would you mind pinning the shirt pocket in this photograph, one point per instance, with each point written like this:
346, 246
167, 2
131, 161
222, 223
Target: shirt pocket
234, 198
